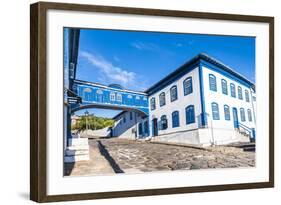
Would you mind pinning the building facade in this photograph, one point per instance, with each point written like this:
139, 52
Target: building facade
130, 124
203, 102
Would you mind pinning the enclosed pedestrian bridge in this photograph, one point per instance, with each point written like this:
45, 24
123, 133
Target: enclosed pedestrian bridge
114, 96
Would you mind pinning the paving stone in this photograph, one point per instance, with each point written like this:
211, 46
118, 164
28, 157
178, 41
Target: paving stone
147, 157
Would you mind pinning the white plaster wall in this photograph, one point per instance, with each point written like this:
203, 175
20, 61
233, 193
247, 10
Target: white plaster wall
222, 99
185, 137
254, 104
180, 104
209, 136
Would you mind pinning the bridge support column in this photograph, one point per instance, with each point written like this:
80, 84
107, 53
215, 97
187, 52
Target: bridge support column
76, 148
68, 122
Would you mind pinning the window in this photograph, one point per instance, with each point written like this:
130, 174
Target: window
99, 95
212, 82
247, 96
174, 93
124, 118
226, 112
140, 128
112, 96
119, 97
99, 92
242, 114
232, 90
240, 93
189, 114
187, 86
162, 100
164, 122
87, 96
224, 86
215, 111
152, 104
175, 119
250, 115
131, 115
129, 99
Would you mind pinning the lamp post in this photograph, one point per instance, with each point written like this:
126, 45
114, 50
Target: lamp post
86, 115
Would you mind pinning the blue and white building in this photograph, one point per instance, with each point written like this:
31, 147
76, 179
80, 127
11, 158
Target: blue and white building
203, 102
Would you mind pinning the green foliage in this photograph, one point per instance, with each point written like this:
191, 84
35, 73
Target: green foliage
93, 123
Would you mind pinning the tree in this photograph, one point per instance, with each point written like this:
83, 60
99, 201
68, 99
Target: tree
93, 122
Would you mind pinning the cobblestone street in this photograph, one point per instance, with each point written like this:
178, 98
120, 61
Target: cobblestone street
127, 156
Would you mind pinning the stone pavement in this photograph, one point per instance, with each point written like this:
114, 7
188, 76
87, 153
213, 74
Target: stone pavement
127, 156
97, 165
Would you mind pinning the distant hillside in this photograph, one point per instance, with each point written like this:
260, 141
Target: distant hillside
93, 123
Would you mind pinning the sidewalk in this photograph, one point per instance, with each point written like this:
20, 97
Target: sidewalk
97, 165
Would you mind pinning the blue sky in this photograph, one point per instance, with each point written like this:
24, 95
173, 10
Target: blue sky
137, 60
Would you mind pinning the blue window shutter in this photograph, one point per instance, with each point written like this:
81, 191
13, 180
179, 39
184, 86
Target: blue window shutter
174, 93
162, 99
240, 93
212, 82
226, 112
187, 86
224, 87
250, 115
242, 114
232, 90
175, 119
189, 114
164, 122
152, 104
215, 111
247, 96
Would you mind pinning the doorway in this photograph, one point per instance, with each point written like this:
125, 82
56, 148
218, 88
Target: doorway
235, 117
155, 126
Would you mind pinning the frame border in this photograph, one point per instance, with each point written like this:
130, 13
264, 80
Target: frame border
38, 95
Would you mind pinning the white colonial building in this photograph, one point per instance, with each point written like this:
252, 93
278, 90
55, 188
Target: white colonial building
203, 102
130, 124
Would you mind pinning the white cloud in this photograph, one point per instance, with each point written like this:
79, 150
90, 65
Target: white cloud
148, 46
144, 46
109, 72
